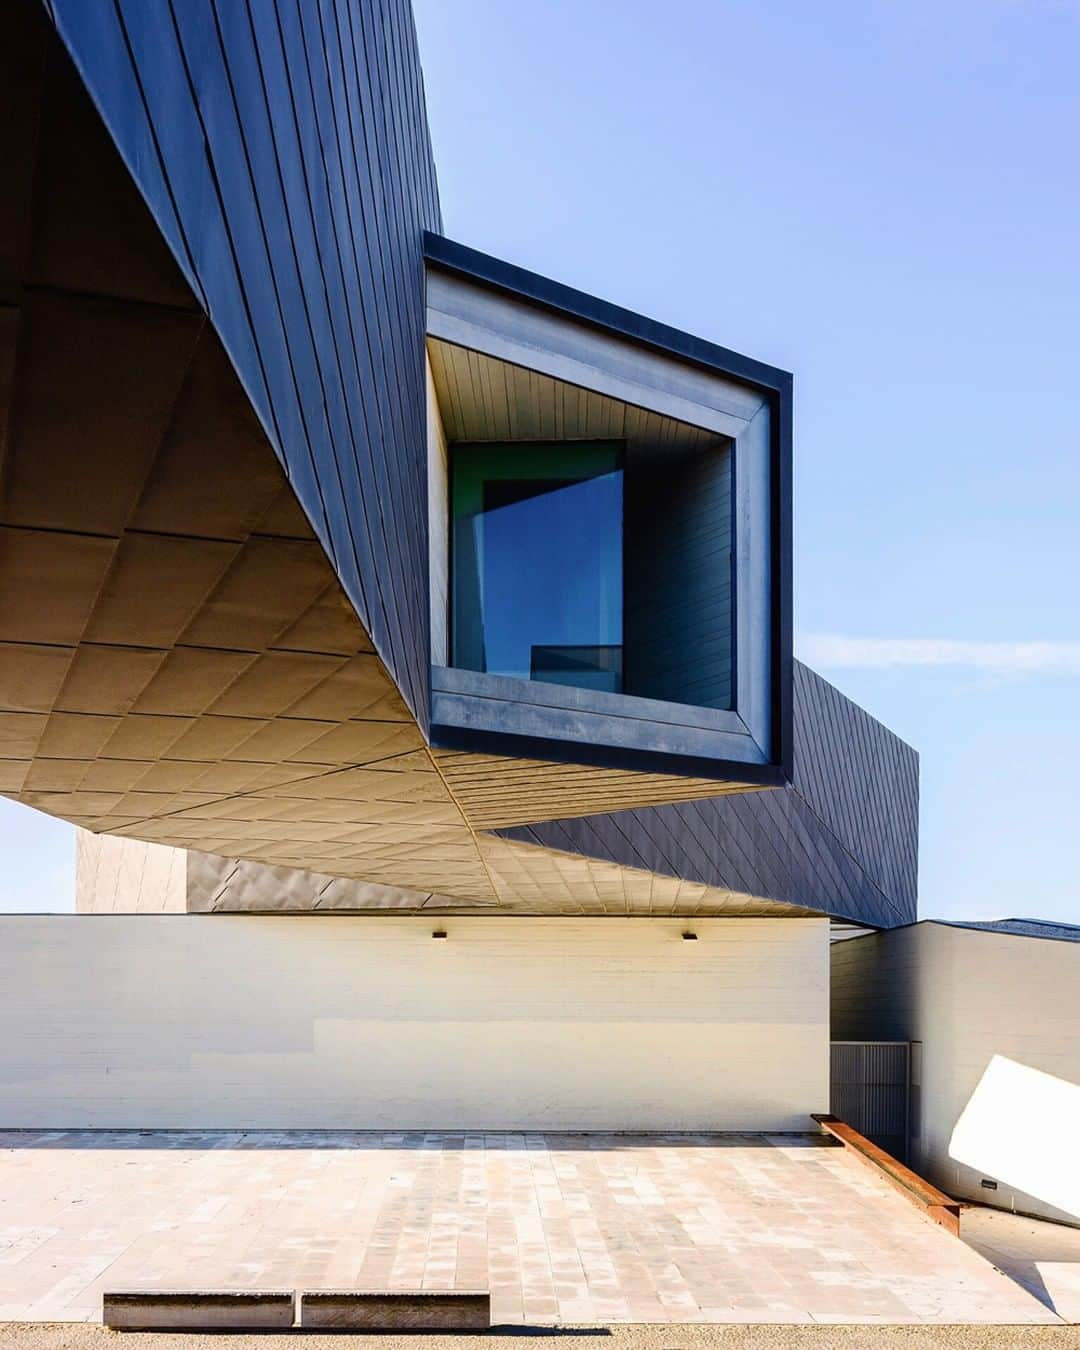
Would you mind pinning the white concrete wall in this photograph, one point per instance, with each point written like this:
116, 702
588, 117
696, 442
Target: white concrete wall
357, 1022
979, 1003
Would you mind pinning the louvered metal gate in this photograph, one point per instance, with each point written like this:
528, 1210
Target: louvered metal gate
869, 1089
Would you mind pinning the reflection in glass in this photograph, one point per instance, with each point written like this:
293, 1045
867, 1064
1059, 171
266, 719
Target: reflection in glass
537, 562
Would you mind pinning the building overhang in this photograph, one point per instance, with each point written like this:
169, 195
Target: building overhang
213, 629
517, 357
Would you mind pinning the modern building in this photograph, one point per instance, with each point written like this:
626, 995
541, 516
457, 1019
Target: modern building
992, 1013
410, 634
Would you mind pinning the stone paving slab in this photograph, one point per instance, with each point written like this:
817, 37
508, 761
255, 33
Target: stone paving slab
1042, 1257
593, 1229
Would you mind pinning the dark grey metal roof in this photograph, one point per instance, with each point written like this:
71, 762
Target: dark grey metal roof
1037, 928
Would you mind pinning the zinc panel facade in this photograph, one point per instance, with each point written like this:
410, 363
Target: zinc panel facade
283, 150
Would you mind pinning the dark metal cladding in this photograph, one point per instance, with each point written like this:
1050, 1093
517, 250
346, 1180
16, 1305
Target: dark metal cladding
282, 146
863, 783
843, 838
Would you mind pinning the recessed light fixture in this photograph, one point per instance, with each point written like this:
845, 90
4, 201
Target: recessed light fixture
439, 933
689, 937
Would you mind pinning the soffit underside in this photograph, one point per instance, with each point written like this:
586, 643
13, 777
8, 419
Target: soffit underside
528, 880
497, 792
483, 398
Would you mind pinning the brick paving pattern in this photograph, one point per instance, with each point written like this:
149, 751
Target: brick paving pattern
578, 1229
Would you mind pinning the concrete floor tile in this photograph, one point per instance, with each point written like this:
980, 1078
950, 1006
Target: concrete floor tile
582, 1229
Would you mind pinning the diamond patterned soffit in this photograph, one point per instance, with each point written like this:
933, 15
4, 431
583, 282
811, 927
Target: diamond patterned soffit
528, 879
178, 661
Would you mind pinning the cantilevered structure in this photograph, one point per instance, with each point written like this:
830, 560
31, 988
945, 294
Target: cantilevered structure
371, 572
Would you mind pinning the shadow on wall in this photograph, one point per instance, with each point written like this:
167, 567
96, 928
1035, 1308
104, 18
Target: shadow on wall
1022, 1126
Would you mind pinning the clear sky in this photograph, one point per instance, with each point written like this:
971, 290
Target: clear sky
882, 196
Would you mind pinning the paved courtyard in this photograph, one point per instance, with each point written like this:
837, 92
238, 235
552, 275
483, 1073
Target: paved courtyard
586, 1229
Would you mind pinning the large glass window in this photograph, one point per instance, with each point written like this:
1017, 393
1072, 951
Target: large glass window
538, 562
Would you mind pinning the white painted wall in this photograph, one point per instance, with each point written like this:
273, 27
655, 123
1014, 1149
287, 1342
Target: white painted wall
989, 1009
357, 1022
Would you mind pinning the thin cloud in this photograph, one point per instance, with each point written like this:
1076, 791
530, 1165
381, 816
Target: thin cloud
1002, 658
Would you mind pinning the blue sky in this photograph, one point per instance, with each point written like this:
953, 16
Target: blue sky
882, 197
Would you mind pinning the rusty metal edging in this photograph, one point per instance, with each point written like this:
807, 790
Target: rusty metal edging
935, 1204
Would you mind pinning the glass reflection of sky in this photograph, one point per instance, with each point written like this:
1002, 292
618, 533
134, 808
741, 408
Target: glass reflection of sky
552, 573
537, 562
